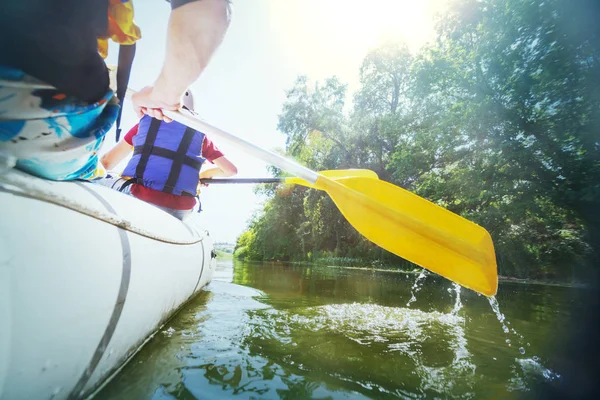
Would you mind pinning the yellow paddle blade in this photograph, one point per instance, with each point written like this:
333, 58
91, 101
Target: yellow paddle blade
334, 174
417, 230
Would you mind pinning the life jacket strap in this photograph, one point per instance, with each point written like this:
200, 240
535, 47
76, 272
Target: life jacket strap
126, 56
127, 183
171, 155
183, 148
147, 148
131, 181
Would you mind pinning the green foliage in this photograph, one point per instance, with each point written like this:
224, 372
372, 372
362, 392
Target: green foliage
498, 121
223, 255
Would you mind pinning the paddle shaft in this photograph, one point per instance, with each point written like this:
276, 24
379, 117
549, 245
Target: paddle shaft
265, 155
250, 148
241, 180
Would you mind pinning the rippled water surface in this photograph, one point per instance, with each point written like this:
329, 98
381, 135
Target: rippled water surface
277, 331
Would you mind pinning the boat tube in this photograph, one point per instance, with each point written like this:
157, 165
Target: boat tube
87, 275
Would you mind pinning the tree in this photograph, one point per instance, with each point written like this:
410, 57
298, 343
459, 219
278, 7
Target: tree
498, 121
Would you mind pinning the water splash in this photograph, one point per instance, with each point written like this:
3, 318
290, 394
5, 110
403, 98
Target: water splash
457, 302
462, 357
529, 366
505, 326
416, 287
501, 318
533, 365
403, 331
169, 332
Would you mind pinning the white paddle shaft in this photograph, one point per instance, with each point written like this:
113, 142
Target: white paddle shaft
192, 121
267, 156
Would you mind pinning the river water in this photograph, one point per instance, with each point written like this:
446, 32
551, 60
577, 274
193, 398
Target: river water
269, 331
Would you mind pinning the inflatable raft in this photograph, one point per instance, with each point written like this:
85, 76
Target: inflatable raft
87, 275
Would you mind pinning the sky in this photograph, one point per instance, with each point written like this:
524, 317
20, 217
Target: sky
268, 44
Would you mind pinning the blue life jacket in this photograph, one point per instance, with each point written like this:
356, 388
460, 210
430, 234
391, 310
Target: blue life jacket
166, 157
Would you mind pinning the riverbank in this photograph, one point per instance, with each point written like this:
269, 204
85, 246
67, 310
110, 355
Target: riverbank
541, 282
417, 271
222, 255
500, 278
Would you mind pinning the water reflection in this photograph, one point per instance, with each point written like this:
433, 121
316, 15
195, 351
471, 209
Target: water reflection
281, 331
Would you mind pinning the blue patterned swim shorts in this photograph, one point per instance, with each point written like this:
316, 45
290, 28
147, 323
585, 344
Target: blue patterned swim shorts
52, 135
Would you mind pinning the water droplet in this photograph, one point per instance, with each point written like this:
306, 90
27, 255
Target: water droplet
521, 350
416, 288
504, 323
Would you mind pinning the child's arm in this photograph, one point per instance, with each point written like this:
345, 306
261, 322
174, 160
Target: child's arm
115, 155
223, 169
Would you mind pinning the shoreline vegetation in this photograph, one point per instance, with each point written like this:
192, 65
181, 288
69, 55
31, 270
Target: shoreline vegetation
578, 285
223, 255
369, 266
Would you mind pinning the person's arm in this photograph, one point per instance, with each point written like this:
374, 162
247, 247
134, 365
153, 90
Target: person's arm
117, 154
223, 169
195, 31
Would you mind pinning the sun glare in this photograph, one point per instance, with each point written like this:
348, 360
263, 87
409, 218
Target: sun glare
331, 37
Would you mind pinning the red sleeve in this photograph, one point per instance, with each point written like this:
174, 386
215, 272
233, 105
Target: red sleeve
132, 132
210, 151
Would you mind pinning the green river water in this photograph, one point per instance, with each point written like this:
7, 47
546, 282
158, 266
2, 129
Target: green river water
269, 331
